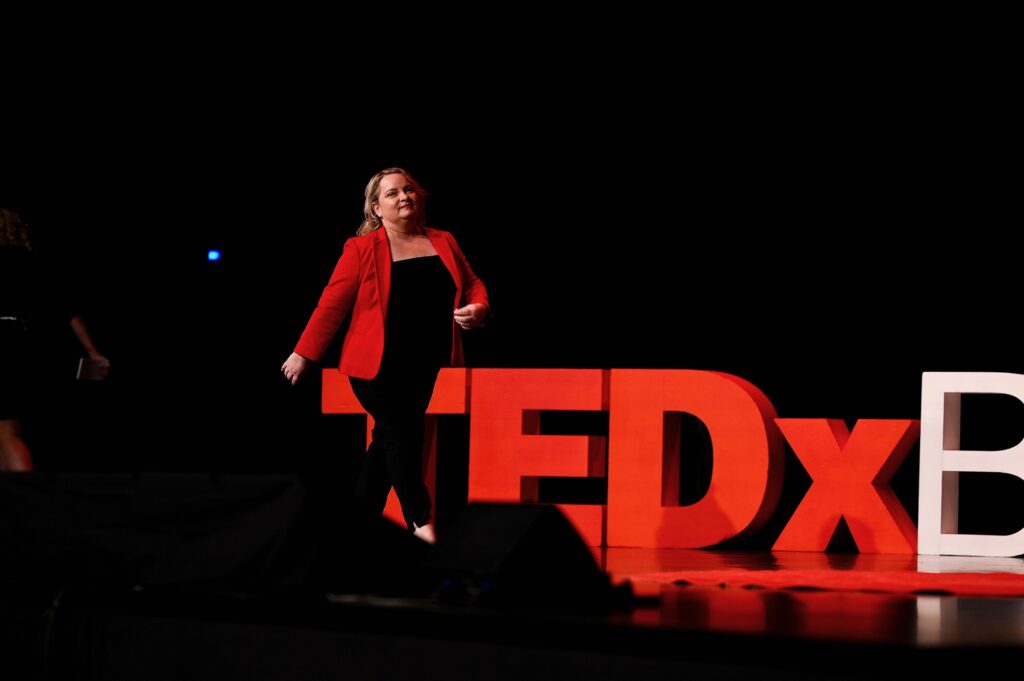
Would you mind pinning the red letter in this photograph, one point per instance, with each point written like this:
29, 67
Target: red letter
850, 476
746, 476
507, 453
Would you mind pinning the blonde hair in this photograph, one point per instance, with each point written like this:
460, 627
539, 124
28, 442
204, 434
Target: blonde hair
372, 196
13, 230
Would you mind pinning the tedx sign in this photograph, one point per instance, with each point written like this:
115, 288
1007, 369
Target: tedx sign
850, 469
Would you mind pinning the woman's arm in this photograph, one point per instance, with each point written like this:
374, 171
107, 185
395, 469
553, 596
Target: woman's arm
83, 336
477, 308
335, 303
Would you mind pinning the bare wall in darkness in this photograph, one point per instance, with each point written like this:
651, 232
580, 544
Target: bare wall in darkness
827, 249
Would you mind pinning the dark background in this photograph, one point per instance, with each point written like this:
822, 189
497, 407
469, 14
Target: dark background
826, 231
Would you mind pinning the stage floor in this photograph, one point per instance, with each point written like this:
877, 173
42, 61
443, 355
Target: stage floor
817, 611
673, 631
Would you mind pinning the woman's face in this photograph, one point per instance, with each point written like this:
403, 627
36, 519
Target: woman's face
398, 200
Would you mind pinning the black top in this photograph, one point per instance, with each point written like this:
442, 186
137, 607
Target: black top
418, 331
20, 293
28, 291
18, 282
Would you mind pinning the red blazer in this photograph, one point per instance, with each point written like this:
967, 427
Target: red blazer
361, 283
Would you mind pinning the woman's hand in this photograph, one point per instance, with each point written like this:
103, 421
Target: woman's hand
470, 316
103, 366
294, 367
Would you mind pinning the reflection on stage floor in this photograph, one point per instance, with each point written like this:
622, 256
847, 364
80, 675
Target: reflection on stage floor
848, 615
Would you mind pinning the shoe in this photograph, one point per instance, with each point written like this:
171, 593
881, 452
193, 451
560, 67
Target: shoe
424, 533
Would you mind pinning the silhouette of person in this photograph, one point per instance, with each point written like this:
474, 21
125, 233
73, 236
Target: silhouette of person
25, 303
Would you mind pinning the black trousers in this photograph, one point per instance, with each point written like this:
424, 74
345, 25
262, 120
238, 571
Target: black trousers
17, 389
397, 401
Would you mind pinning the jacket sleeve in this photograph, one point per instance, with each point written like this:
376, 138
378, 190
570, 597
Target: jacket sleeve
335, 303
473, 289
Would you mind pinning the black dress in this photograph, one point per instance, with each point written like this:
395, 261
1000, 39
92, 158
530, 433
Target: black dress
21, 300
417, 343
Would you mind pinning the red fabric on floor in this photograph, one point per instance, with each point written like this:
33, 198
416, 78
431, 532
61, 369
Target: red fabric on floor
958, 583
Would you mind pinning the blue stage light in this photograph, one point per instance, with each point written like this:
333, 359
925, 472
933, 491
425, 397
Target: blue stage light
213, 254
